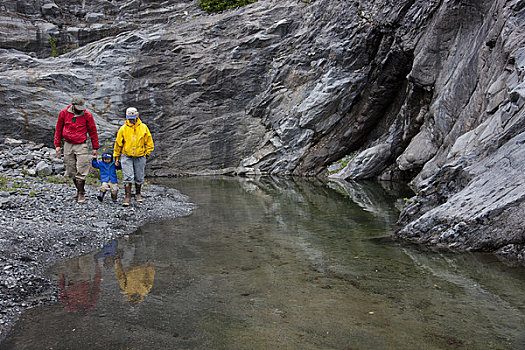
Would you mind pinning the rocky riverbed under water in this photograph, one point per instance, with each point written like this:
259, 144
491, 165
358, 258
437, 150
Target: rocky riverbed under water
274, 263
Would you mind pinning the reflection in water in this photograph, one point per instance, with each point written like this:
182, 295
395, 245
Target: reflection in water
133, 271
135, 281
79, 285
108, 253
80, 278
281, 264
377, 198
135, 278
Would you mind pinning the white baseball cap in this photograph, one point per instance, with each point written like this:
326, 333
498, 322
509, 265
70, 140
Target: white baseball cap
132, 113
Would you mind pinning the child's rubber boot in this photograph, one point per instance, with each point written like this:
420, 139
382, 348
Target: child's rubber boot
101, 195
114, 196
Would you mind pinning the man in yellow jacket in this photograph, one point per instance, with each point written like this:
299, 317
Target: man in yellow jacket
133, 144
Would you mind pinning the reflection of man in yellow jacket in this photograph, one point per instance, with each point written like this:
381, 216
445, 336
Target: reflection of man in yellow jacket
133, 144
136, 282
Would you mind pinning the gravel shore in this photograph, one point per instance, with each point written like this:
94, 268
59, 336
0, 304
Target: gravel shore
40, 224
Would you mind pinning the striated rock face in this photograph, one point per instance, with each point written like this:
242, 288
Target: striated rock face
427, 91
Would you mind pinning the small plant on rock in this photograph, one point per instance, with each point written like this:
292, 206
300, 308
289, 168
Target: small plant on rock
3, 181
211, 6
54, 49
57, 179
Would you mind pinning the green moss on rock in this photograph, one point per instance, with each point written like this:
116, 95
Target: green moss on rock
222, 5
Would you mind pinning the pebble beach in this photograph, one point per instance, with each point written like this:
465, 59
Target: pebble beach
40, 224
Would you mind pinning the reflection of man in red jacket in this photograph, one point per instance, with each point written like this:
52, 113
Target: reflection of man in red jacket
78, 293
73, 123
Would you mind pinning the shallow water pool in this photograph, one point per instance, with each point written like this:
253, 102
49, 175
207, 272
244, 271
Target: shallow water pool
278, 264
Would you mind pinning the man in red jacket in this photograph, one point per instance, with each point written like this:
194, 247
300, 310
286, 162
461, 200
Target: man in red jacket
72, 125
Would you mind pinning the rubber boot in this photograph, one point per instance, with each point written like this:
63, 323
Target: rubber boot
81, 191
75, 197
127, 200
138, 196
114, 196
101, 195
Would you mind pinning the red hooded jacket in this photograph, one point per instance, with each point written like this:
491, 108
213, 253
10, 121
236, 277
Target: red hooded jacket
73, 129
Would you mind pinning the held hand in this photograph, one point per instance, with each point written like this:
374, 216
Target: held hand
58, 150
117, 162
94, 153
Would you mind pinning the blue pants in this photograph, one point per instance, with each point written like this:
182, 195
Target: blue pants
133, 169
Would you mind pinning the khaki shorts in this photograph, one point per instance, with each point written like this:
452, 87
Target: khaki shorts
77, 160
109, 186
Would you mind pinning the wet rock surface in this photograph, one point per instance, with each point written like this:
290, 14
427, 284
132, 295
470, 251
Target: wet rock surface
473, 206
40, 224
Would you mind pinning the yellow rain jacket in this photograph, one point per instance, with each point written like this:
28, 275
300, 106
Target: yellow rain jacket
133, 140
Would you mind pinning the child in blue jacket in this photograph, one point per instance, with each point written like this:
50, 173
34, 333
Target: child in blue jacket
108, 176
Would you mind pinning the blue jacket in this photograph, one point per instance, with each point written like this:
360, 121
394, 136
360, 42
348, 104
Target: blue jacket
108, 171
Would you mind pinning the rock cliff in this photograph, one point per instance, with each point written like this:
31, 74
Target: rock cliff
430, 92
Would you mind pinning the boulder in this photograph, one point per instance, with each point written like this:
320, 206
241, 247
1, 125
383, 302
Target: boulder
43, 169
13, 142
